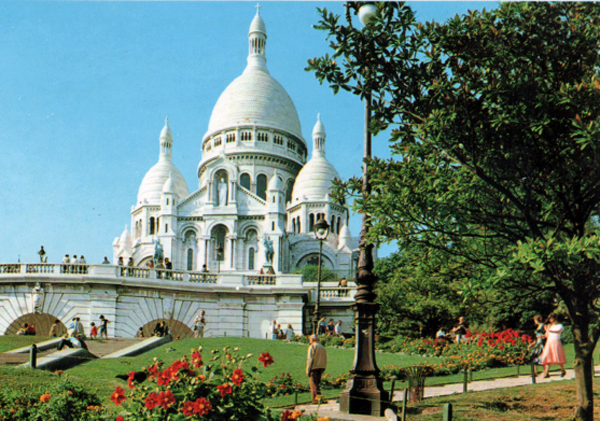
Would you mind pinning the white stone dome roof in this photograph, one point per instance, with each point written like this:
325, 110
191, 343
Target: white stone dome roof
155, 179
170, 186
314, 180
255, 98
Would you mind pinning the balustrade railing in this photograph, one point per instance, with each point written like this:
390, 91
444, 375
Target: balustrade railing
203, 277
262, 279
8, 270
341, 292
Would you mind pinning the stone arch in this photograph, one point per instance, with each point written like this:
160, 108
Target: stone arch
312, 258
42, 323
177, 329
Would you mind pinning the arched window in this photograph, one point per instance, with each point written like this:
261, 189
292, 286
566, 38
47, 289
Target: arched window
245, 181
157, 224
332, 224
261, 186
251, 259
294, 225
311, 222
190, 259
151, 225
338, 226
299, 226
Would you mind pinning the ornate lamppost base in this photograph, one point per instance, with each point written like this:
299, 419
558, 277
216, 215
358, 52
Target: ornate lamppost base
364, 392
364, 395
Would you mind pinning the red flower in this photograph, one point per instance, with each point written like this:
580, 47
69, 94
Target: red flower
165, 399
286, 416
266, 359
151, 401
202, 407
45, 397
119, 418
238, 376
118, 396
188, 408
130, 380
501, 347
225, 389
197, 359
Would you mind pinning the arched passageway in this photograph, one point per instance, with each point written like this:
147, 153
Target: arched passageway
42, 323
177, 329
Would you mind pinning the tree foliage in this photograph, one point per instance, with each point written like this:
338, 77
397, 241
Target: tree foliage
495, 127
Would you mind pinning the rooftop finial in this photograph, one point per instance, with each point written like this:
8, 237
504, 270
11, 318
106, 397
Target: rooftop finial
318, 117
166, 121
257, 9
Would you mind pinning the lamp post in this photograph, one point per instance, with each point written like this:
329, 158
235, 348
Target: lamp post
321, 232
364, 392
219, 257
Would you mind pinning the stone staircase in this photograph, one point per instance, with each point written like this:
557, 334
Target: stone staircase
102, 347
98, 347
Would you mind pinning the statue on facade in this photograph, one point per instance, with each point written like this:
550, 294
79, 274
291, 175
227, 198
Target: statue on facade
222, 192
37, 298
269, 252
158, 252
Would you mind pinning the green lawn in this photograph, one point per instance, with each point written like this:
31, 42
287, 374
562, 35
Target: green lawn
99, 376
8, 343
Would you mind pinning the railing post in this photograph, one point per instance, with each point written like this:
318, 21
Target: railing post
448, 412
532, 373
465, 380
33, 356
404, 404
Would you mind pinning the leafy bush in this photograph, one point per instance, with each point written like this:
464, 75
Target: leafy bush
65, 402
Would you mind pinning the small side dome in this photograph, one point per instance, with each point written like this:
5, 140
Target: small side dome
275, 183
345, 238
169, 186
125, 240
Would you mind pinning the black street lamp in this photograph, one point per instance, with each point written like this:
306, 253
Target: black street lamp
364, 392
219, 257
321, 232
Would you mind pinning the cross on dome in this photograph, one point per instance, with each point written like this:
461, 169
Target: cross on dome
258, 6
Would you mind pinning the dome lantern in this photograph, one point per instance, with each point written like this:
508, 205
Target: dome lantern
257, 42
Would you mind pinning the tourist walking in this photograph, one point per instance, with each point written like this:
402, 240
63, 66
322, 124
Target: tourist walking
554, 352
199, 325
103, 327
316, 362
338, 329
321, 326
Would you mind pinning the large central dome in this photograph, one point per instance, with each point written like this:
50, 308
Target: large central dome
255, 98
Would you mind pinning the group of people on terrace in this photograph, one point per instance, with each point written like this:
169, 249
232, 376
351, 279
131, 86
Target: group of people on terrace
329, 328
73, 265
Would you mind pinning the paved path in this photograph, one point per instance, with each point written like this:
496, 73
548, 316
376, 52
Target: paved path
332, 408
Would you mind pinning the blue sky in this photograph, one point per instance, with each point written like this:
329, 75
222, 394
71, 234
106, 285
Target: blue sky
86, 86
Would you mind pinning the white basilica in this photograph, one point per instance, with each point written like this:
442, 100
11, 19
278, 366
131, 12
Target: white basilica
255, 188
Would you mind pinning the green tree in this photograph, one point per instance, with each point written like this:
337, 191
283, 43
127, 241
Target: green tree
495, 117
